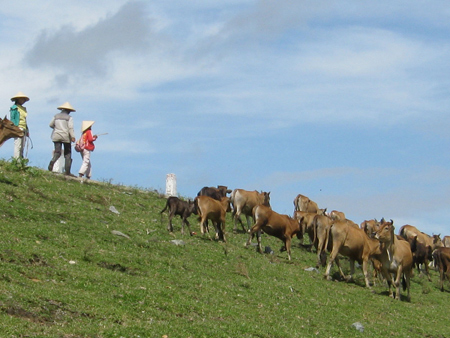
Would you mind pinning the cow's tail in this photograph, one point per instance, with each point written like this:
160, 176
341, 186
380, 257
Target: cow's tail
165, 208
404, 282
328, 239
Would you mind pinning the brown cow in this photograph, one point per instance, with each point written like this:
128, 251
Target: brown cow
353, 243
446, 241
370, 227
243, 203
274, 224
8, 130
442, 258
210, 209
337, 215
303, 203
322, 225
408, 232
396, 257
184, 209
306, 220
216, 193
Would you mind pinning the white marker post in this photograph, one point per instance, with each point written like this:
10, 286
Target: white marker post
171, 185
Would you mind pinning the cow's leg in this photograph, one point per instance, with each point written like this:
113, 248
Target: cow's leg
407, 276
186, 222
388, 278
397, 281
170, 226
237, 218
427, 271
287, 244
258, 237
249, 223
254, 229
365, 266
333, 257
339, 267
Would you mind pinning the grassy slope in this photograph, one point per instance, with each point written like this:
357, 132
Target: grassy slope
64, 274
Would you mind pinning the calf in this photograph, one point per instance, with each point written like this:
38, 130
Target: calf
244, 201
8, 130
283, 227
442, 258
353, 243
210, 209
396, 257
184, 209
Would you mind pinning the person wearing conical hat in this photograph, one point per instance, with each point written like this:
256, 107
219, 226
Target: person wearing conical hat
88, 140
18, 115
62, 135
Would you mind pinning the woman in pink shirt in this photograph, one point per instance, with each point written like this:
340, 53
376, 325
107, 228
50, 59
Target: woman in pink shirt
89, 147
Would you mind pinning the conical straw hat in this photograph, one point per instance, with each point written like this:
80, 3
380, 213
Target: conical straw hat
19, 95
66, 106
86, 125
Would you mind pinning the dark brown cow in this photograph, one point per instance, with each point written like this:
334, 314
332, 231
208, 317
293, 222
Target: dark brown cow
274, 224
210, 209
353, 243
184, 209
303, 203
396, 258
421, 255
243, 203
442, 258
216, 193
8, 130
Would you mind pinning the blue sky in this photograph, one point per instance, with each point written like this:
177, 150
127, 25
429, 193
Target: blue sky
346, 102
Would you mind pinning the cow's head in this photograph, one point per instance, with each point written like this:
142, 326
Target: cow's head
8, 130
437, 241
191, 207
386, 232
266, 198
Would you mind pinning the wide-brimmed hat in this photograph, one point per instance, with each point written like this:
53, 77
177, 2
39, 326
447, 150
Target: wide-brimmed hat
85, 125
20, 95
66, 106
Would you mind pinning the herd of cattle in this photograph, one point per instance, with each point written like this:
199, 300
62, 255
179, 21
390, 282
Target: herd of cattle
372, 242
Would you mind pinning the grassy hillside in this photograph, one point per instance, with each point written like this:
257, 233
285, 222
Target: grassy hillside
64, 272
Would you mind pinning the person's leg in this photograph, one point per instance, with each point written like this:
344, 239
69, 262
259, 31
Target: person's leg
67, 158
56, 155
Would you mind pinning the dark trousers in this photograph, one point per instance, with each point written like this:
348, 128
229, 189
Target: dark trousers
67, 156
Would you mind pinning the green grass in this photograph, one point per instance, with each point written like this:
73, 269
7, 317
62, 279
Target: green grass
64, 274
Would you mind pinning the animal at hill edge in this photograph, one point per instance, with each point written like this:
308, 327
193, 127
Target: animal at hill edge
184, 209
